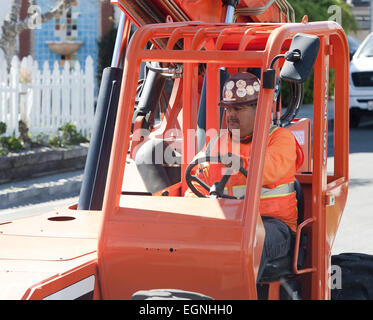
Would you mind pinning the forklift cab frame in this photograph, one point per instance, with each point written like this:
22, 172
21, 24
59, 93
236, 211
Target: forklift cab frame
213, 246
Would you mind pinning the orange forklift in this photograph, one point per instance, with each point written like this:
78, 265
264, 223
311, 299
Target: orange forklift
133, 234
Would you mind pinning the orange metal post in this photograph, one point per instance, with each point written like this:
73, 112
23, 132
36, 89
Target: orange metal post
320, 255
341, 107
190, 110
119, 151
212, 99
125, 38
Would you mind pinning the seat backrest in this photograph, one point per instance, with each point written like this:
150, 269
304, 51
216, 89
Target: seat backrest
300, 200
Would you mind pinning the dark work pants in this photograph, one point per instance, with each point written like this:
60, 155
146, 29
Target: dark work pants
277, 241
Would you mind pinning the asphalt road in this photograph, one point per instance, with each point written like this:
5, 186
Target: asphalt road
355, 233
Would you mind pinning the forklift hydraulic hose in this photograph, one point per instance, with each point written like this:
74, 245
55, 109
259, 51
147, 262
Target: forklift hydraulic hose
296, 99
151, 92
169, 72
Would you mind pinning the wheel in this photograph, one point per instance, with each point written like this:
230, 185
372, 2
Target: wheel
168, 294
357, 276
218, 188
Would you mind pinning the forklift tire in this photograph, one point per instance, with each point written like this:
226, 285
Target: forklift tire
357, 276
168, 294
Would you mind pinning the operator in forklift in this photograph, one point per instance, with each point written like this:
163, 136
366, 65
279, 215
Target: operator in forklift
278, 203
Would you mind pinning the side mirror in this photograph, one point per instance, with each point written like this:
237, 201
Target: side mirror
302, 55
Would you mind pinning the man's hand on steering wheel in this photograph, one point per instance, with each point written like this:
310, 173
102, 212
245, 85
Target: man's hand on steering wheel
217, 189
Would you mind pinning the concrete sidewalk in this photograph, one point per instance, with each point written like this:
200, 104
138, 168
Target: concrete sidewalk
68, 184
56, 186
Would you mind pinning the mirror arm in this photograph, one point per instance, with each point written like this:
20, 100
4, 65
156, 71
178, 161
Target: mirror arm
292, 56
269, 74
275, 59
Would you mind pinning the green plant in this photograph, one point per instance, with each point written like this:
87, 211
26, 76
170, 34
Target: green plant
71, 135
41, 139
67, 135
7, 143
56, 141
105, 50
15, 144
11, 144
2, 128
321, 11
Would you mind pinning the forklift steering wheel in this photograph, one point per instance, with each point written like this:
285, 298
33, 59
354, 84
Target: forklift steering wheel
217, 189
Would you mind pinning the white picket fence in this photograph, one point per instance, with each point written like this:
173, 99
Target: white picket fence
46, 99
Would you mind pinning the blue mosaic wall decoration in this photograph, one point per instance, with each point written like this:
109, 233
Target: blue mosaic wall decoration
79, 23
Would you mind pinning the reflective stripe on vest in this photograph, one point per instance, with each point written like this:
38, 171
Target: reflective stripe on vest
272, 129
279, 191
239, 191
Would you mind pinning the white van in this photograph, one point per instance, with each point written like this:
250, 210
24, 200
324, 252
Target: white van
361, 82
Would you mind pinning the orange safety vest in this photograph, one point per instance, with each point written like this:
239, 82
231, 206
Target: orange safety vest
283, 158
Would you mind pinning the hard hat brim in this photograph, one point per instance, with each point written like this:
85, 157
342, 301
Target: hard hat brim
227, 104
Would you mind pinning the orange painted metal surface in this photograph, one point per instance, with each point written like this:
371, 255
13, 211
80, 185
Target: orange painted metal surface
179, 236
201, 10
40, 249
47, 287
212, 246
178, 240
301, 129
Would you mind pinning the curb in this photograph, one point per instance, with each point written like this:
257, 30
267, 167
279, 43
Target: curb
41, 162
33, 190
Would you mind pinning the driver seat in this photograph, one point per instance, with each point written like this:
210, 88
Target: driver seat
282, 268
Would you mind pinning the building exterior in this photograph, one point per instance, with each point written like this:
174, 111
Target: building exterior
362, 12
70, 36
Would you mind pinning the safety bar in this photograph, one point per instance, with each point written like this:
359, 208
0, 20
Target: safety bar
297, 245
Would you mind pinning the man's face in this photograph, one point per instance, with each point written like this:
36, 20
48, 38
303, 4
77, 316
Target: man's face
242, 118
